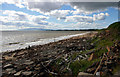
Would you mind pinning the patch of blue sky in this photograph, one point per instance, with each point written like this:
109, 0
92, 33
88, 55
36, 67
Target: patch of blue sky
113, 12
113, 16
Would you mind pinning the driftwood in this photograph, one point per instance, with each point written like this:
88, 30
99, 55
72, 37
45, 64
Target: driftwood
104, 55
99, 64
108, 50
47, 70
10, 57
45, 66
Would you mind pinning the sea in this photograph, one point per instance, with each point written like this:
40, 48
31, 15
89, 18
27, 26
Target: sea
13, 40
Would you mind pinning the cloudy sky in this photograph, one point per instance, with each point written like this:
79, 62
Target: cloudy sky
44, 14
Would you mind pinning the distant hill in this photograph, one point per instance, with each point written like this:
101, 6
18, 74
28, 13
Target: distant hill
114, 31
39, 29
35, 29
115, 27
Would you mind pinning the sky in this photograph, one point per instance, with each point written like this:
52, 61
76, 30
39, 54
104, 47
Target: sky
49, 14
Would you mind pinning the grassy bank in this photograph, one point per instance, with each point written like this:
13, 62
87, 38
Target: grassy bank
105, 38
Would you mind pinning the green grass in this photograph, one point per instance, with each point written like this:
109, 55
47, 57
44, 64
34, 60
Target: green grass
75, 67
81, 65
74, 55
115, 26
59, 61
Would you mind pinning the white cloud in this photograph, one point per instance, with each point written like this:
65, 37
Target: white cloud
5, 27
20, 19
20, 16
44, 6
78, 18
84, 25
19, 24
82, 22
50, 8
59, 14
14, 15
81, 11
92, 6
86, 8
82, 6
90, 19
18, 3
53, 25
38, 19
100, 16
78, 25
106, 14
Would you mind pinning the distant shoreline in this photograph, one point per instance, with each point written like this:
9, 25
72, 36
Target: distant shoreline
77, 30
54, 30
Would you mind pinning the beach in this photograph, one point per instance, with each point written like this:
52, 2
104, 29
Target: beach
48, 59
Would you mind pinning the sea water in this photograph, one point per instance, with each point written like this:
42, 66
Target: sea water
12, 40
